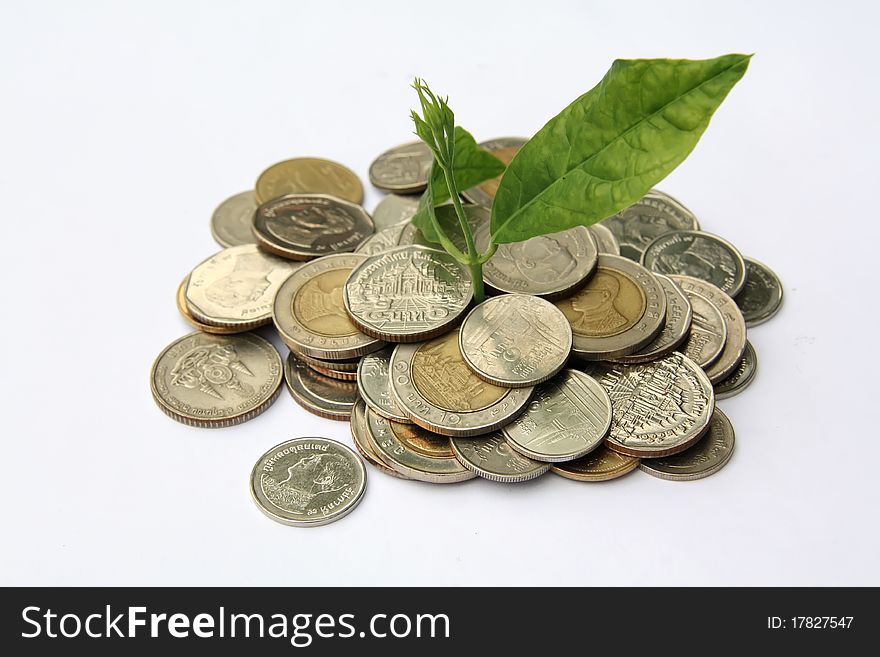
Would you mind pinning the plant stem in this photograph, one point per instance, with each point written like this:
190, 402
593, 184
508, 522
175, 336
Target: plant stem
474, 262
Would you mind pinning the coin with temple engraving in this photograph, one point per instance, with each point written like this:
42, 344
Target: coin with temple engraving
309, 314
706, 457
698, 254
675, 330
306, 482
569, 416
605, 239
232, 221
735, 345
216, 380
708, 333
620, 310
491, 457
761, 297
433, 385
374, 384
741, 377
414, 452
403, 169
408, 294
309, 175
515, 340
305, 226
394, 209
322, 395
653, 215
658, 408
549, 266
235, 288
363, 445
601, 464
504, 148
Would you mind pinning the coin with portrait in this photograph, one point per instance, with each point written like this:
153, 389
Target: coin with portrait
761, 297
232, 221
620, 310
698, 254
188, 316
642, 222
309, 175
403, 169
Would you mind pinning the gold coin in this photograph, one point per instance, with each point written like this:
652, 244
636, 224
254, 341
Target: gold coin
609, 304
187, 315
309, 175
601, 464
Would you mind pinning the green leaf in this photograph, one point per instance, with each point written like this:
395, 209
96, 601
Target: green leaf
471, 165
610, 146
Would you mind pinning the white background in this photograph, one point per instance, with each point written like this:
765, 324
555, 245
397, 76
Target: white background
123, 126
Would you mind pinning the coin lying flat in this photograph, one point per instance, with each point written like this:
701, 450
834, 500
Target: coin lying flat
491, 457
735, 345
515, 340
698, 254
621, 309
318, 394
605, 239
741, 377
232, 220
433, 385
363, 446
706, 457
601, 464
306, 226
235, 288
309, 175
549, 266
374, 385
708, 333
414, 452
408, 294
679, 316
653, 215
568, 417
394, 209
658, 408
761, 297
306, 482
404, 169
188, 316
504, 148
216, 380
309, 314
382, 241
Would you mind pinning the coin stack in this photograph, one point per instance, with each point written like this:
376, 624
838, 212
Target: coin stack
599, 351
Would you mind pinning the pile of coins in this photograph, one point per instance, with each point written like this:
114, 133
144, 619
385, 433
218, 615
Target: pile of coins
599, 351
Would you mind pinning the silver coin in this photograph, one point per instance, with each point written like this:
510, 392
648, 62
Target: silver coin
491, 457
346, 365
567, 418
708, 333
653, 215
761, 297
550, 266
437, 390
675, 330
306, 482
605, 239
741, 377
235, 288
403, 169
374, 384
706, 457
515, 340
233, 220
319, 394
382, 241
309, 314
305, 226
658, 408
735, 345
408, 294
363, 445
698, 254
206, 380
504, 148
394, 209
414, 452
621, 310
